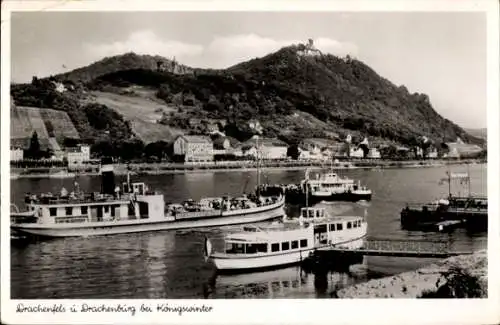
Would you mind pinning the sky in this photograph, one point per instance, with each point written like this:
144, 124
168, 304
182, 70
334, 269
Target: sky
437, 53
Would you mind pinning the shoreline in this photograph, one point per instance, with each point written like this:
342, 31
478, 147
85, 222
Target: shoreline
169, 168
413, 284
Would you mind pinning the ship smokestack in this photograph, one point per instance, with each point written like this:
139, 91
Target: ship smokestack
107, 176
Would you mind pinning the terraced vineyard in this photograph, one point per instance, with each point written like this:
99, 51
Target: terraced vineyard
26, 120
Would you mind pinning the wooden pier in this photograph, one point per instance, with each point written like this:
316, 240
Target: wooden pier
398, 248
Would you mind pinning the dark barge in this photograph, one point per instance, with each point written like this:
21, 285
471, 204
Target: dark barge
471, 212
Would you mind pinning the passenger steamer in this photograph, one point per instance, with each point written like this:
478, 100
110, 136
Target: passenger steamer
327, 186
132, 208
287, 243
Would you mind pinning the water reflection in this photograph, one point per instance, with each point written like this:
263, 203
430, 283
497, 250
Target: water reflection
292, 282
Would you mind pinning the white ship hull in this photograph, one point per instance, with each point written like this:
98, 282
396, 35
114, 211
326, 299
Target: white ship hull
263, 261
353, 239
267, 261
142, 225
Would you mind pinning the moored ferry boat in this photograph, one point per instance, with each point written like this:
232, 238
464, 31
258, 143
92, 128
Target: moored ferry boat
471, 211
133, 208
287, 243
327, 186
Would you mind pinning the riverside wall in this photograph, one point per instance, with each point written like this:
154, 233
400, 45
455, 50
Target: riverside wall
174, 168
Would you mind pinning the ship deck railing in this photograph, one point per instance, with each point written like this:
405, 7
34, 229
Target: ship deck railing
400, 248
83, 199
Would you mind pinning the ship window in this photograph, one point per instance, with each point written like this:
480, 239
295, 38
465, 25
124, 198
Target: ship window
113, 210
304, 213
256, 248
69, 211
320, 228
250, 249
339, 226
332, 227
311, 213
318, 214
295, 244
233, 248
303, 243
285, 246
84, 210
53, 212
355, 224
275, 247
349, 225
106, 209
359, 223
260, 248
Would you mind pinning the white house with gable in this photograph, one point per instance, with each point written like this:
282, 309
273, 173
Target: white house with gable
78, 156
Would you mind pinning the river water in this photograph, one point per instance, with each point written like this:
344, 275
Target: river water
170, 264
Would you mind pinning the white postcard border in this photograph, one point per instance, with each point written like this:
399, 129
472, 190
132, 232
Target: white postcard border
254, 311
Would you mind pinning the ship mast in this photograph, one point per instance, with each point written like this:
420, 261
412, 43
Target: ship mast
258, 167
449, 183
306, 185
468, 177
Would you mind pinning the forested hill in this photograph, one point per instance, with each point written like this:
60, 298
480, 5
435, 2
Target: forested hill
350, 94
293, 93
127, 61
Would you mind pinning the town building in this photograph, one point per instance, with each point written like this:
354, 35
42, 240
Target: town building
459, 149
16, 154
305, 154
194, 148
356, 152
78, 156
432, 153
324, 147
419, 152
265, 148
224, 145
374, 153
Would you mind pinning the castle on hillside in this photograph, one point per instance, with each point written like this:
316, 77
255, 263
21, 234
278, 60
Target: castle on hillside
308, 49
172, 66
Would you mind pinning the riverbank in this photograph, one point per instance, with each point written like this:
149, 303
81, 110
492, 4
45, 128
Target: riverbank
414, 283
179, 168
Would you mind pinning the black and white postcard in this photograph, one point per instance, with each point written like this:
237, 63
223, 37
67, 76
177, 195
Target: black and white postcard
249, 162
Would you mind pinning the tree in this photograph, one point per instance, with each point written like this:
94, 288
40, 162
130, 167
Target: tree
156, 149
103, 148
458, 283
293, 152
130, 149
70, 142
365, 149
34, 148
390, 151
426, 145
414, 143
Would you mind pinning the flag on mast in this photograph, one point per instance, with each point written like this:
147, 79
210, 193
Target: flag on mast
463, 178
